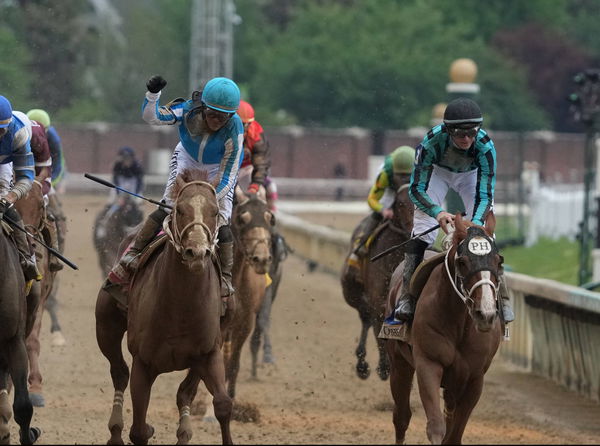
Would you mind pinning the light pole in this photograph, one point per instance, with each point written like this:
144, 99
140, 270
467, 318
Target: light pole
586, 109
463, 73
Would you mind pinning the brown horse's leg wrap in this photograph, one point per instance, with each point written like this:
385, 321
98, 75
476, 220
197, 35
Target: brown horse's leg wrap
415, 250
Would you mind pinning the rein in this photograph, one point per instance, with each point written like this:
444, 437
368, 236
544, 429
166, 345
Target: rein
247, 253
177, 235
465, 295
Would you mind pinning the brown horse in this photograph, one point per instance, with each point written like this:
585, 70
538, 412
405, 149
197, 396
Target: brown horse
14, 326
111, 226
252, 223
366, 289
454, 335
172, 320
33, 211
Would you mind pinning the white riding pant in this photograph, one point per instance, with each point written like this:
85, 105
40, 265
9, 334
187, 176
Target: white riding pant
6, 178
181, 160
464, 183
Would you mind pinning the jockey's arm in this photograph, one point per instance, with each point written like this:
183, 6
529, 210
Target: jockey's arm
419, 181
230, 163
261, 161
484, 195
377, 191
23, 165
156, 114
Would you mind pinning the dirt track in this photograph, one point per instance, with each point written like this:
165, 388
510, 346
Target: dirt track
311, 396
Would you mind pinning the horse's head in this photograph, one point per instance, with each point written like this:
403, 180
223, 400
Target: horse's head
403, 206
477, 264
192, 225
252, 225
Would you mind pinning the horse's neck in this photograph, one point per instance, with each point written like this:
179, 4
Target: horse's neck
172, 273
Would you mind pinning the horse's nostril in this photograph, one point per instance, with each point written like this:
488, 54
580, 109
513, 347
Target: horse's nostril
188, 253
255, 259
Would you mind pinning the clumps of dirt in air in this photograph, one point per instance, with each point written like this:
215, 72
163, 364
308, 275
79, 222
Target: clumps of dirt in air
245, 412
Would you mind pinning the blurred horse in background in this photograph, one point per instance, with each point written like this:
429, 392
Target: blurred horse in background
112, 225
252, 225
454, 335
366, 288
33, 211
173, 319
263, 318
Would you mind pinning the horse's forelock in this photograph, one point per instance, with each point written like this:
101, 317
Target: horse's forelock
189, 175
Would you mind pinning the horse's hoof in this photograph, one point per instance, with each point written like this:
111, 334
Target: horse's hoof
58, 340
34, 434
268, 359
383, 373
362, 370
37, 399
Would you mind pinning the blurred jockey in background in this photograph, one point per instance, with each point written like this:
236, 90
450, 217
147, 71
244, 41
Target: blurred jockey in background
16, 159
57, 175
394, 172
256, 166
257, 157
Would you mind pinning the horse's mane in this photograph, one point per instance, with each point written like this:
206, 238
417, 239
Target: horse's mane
187, 176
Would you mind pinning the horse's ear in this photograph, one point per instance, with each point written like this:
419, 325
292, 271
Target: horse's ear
461, 227
262, 194
240, 196
244, 218
270, 218
490, 223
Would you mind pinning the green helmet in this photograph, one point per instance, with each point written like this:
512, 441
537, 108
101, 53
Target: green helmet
39, 115
403, 159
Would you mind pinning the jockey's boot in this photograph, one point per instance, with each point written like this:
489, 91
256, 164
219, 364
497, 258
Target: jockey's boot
26, 254
415, 250
360, 249
507, 311
53, 263
279, 247
128, 263
225, 251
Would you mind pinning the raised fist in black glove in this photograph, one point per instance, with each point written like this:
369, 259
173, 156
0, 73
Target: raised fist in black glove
155, 84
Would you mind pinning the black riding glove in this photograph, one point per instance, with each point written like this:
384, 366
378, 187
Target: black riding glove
155, 84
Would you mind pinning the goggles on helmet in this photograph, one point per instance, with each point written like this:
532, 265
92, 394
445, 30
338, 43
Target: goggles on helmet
217, 115
461, 132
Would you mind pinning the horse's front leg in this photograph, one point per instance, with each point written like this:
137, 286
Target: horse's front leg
383, 368
401, 378
263, 320
22, 407
459, 408
5, 409
111, 325
362, 366
141, 386
185, 396
213, 374
33, 353
429, 379
255, 346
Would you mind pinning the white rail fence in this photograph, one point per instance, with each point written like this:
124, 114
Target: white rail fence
556, 333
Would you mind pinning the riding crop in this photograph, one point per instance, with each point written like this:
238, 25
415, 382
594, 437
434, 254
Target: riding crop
393, 248
114, 186
52, 250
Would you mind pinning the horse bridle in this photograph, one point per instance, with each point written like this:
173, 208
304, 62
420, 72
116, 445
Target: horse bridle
458, 281
177, 235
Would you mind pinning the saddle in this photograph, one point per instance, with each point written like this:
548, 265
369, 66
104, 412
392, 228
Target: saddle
417, 282
120, 291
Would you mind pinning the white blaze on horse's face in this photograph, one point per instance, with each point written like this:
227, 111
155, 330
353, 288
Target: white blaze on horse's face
196, 243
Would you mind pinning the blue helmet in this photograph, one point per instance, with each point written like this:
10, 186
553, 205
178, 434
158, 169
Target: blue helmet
221, 94
5, 112
126, 151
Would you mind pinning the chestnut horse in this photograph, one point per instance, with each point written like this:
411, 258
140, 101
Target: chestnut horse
173, 318
252, 223
16, 319
366, 289
33, 211
454, 335
111, 227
